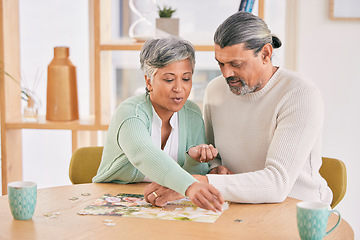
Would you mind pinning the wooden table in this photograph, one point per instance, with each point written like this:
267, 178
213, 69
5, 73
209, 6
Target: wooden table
240, 221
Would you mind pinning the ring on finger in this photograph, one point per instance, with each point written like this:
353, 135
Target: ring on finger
154, 193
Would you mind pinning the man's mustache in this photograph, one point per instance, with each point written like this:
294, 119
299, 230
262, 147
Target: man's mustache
235, 79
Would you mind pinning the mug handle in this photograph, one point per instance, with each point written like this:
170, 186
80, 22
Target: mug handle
339, 219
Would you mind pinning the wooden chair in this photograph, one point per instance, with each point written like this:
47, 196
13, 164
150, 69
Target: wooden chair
84, 164
334, 172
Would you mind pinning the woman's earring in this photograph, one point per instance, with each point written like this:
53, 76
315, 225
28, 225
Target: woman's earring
149, 89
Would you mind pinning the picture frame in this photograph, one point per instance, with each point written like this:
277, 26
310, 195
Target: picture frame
345, 10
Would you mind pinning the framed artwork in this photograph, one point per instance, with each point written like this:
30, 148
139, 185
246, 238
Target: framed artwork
345, 9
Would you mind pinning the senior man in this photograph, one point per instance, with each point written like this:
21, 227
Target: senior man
265, 121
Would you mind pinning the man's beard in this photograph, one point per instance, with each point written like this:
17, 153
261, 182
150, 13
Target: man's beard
243, 89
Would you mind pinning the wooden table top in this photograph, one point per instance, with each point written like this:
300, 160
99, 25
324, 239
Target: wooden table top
240, 221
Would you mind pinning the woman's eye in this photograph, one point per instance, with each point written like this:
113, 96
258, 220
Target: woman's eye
168, 80
186, 79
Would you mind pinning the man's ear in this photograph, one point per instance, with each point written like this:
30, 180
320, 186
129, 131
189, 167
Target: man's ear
266, 52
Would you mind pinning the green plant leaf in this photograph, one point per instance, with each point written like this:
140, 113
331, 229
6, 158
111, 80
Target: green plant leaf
165, 11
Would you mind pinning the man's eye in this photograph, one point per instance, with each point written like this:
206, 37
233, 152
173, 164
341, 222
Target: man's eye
168, 80
186, 79
236, 65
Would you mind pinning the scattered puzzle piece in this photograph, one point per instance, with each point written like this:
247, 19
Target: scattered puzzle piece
52, 215
109, 222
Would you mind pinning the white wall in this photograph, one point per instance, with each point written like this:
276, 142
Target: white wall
44, 25
328, 53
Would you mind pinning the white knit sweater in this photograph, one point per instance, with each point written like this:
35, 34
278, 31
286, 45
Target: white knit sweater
270, 139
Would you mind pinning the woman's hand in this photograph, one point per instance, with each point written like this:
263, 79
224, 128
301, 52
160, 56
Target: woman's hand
220, 170
203, 153
200, 193
205, 196
159, 195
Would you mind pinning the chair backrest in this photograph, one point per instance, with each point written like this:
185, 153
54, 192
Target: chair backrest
84, 164
334, 172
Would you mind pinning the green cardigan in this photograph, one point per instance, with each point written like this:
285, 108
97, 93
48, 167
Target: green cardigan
130, 155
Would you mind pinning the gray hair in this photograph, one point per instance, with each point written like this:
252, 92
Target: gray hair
244, 27
159, 53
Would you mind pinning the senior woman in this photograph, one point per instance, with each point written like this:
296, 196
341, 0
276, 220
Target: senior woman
159, 135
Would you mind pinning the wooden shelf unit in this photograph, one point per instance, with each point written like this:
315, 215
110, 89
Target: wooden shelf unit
10, 107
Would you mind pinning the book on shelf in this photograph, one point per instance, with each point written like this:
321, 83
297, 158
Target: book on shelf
246, 5
242, 6
249, 5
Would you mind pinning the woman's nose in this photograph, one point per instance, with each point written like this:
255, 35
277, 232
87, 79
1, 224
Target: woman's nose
177, 86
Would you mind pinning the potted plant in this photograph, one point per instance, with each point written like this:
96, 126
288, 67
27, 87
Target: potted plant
165, 24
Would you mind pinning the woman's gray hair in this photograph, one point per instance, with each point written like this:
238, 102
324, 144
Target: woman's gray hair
244, 27
159, 53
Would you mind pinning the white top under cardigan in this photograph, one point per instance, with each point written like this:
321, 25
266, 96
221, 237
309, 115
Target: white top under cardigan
172, 143
270, 138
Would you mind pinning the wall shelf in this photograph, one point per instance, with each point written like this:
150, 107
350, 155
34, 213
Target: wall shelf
83, 124
130, 45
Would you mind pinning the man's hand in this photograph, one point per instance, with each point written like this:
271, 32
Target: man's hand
220, 170
201, 178
203, 153
159, 195
205, 196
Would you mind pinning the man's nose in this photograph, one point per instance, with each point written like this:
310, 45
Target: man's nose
227, 71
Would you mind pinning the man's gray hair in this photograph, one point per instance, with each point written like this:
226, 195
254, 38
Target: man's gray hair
244, 27
159, 53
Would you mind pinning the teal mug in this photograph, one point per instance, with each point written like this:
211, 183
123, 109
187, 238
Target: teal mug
312, 219
22, 199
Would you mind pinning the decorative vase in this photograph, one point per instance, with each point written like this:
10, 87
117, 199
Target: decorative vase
142, 28
166, 27
61, 99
